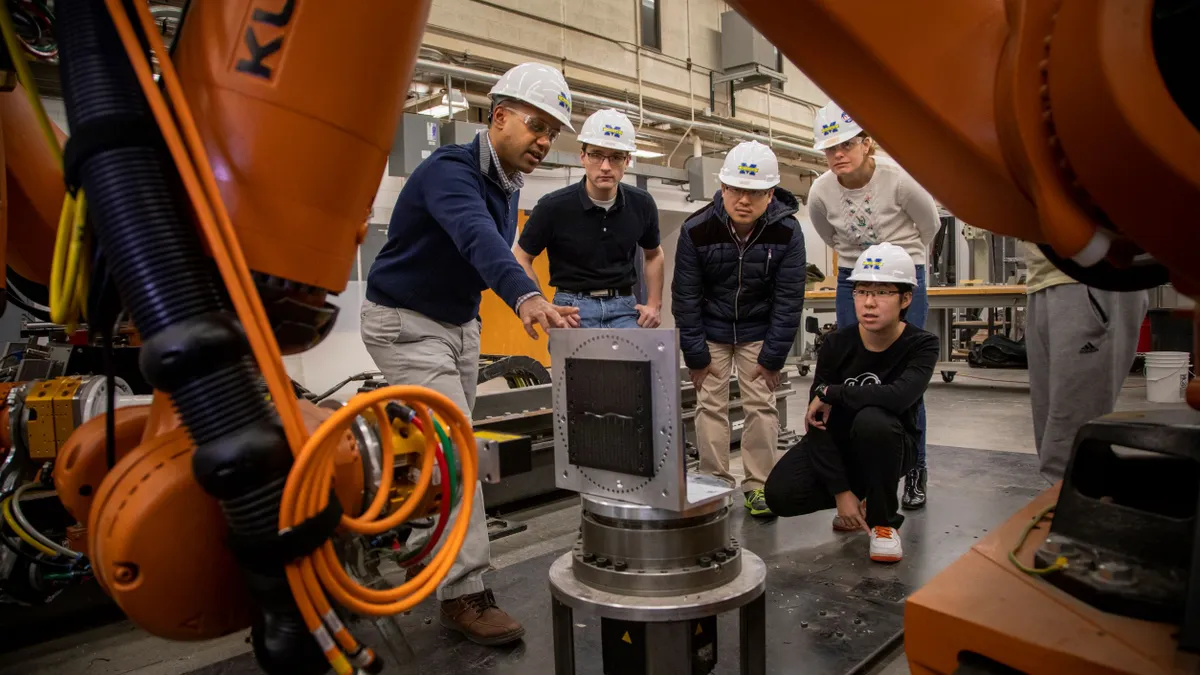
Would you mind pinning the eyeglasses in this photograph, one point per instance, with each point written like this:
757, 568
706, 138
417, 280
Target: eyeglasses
737, 193
537, 127
863, 293
844, 146
599, 158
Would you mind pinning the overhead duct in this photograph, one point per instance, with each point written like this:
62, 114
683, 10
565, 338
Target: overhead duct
482, 77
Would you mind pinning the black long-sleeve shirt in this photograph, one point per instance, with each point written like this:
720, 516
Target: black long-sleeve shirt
894, 379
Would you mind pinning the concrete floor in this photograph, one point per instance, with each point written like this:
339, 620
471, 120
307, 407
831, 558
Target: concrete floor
988, 411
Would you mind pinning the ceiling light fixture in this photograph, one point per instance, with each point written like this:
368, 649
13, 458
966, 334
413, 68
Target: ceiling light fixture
452, 103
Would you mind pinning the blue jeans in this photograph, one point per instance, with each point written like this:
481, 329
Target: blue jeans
615, 312
918, 312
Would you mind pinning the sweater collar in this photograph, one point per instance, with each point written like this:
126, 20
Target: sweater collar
488, 160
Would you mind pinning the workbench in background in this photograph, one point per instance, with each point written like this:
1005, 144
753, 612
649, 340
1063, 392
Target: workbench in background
942, 300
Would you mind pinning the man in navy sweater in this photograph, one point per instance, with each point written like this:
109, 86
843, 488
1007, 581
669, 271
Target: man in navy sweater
450, 238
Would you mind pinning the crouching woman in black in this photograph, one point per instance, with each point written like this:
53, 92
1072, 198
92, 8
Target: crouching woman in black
861, 427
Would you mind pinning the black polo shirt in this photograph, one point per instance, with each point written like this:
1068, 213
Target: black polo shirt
591, 248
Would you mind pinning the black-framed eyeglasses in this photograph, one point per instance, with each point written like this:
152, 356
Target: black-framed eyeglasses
598, 158
864, 293
737, 193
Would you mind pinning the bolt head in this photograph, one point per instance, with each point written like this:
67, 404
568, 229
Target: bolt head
620, 565
602, 561
589, 557
1060, 546
1113, 572
721, 556
705, 561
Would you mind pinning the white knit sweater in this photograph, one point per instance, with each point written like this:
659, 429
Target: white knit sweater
890, 208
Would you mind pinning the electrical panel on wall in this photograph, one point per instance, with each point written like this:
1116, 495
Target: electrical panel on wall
416, 138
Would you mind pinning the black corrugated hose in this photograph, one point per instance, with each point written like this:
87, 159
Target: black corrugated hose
194, 347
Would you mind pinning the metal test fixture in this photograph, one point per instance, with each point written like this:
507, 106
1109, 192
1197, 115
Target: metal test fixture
654, 558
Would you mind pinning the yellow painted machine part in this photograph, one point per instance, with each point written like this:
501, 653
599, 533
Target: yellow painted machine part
50, 405
502, 330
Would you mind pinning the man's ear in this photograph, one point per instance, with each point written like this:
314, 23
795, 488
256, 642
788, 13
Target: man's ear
906, 299
498, 117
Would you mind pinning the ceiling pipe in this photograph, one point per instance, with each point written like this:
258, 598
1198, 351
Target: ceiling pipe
482, 77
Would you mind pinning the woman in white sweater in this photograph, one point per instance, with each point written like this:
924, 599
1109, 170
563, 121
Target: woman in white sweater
862, 201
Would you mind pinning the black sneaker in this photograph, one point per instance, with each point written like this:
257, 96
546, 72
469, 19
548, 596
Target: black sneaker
914, 488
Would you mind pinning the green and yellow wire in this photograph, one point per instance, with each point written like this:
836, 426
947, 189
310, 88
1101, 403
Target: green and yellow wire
69, 269
1060, 563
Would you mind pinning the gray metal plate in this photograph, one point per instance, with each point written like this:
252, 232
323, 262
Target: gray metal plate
667, 489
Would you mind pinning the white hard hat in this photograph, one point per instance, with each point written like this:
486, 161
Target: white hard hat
752, 166
539, 85
609, 128
833, 126
887, 264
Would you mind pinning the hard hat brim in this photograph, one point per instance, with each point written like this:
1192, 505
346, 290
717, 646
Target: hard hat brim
608, 143
834, 139
556, 113
747, 183
881, 278
564, 119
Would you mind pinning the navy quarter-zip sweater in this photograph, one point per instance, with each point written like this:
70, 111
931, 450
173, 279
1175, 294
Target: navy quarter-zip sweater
450, 238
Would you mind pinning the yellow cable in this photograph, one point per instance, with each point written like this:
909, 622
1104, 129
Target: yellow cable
25, 537
74, 295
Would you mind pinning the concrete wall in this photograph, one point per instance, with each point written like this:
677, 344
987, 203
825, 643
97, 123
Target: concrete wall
600, 46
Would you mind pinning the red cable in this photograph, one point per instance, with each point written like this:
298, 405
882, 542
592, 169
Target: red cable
444, 512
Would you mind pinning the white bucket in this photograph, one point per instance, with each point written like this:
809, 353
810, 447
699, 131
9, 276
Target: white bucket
1166, 376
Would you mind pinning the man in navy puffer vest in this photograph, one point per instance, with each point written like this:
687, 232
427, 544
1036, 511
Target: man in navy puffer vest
736, 296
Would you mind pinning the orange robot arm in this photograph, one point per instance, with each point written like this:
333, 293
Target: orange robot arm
32, 191
1072, 132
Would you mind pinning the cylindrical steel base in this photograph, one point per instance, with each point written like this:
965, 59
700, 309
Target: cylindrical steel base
745, 592
635, 550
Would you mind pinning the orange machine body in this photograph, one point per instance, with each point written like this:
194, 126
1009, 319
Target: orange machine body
984, 605
1049, 121
32, 193
298, 122
1022, 125
82, 463
156, 539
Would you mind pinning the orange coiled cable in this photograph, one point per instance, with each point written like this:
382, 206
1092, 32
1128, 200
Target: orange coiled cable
306, 490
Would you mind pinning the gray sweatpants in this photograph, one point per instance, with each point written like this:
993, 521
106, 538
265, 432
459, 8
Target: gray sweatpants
411, 348
1081, 344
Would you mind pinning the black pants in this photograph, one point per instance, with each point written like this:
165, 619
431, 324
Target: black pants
874, 448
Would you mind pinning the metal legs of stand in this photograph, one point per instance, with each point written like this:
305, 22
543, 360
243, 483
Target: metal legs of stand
752, 624
564, 637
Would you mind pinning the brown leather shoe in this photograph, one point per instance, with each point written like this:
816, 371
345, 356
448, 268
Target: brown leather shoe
477, 617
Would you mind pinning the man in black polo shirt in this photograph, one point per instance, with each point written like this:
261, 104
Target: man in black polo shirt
592, 231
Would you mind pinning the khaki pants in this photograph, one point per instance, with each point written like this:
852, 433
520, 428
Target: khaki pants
761, 429
411, 348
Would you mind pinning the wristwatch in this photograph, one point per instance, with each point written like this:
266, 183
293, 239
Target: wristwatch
821, 390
